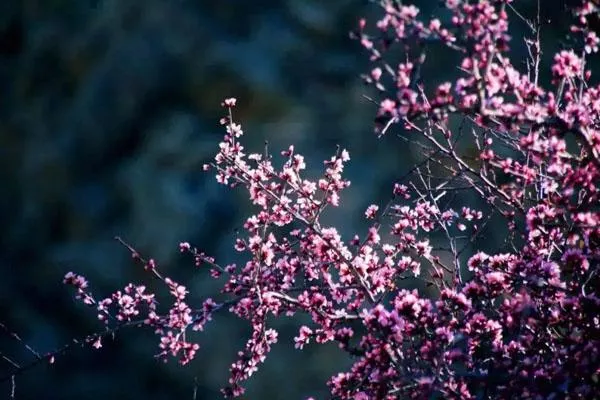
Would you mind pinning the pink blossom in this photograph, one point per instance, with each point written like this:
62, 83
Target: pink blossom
498, 148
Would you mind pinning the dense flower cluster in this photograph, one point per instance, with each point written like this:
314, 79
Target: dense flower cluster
520, 323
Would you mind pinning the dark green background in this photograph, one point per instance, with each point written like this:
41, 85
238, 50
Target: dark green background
108, 109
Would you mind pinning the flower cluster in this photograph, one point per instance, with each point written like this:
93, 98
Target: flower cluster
134, 306
519, 323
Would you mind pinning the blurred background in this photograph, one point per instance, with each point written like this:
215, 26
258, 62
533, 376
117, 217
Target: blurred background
108, 109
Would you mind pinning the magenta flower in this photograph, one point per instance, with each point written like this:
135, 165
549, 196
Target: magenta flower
422, 310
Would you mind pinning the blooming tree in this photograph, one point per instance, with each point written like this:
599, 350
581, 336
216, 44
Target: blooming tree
499, 147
